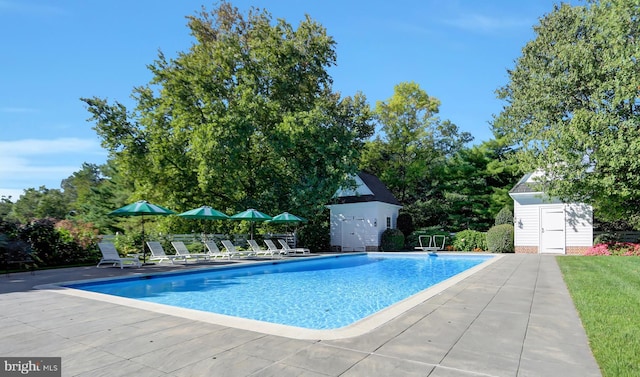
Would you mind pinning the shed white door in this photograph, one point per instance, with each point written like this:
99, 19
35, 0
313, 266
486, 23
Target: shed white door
552, 230
353, 235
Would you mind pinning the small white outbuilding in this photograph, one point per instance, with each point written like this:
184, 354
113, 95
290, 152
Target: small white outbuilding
546, 225
359, 216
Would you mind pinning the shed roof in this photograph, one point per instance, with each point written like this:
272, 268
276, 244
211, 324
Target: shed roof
370, 189
527, 184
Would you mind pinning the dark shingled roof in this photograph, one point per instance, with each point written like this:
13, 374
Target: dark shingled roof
380, 192
523, 186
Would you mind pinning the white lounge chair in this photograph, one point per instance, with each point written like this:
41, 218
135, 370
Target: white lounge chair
110, 255
231, 249
181, 249
214, 252
158, 254
260, 251
272, 246
295, 250
430, 243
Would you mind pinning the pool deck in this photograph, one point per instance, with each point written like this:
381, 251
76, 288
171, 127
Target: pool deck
512, 318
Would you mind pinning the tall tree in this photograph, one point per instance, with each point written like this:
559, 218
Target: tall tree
100, 190
468, 189
411, 139
77, 187
245, 118
502, 173
477, 182
6, 206
39, 204
572, 105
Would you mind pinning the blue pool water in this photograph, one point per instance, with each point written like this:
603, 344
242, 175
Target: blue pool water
324, 293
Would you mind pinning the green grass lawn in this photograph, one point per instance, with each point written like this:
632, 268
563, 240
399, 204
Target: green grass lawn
606, 292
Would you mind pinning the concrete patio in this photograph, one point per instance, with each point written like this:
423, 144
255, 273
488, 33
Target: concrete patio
513, 318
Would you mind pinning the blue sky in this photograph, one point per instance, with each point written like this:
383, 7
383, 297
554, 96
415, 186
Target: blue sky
54, 52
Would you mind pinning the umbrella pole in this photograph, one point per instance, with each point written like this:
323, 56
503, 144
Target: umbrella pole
144, 249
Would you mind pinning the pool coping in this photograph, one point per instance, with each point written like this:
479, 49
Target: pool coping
357, 328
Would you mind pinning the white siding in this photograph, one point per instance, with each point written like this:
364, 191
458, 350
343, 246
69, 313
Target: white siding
335, 228
579, 224
356, 217
367, 219
527, 224
528, 206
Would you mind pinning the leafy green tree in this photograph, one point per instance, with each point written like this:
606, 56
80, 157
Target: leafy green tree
5, 206
103, 189
478, 180
468, 189
432, 211
77, 187
39, 204
411, 139
502, 172
245, 118
572, 105
466, 192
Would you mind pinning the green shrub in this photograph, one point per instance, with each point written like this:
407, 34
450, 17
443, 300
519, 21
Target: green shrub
470, 240
84, 234
392, 240
53, 248
194, 247
315, 235
128, 243
605, 238
505, 216
500, 239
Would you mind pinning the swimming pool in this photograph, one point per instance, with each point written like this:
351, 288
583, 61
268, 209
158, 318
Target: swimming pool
315, 293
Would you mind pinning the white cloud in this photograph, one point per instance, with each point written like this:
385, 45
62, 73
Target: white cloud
482, 23
12, 168
12, 194
30, 147
31, 163
17, 110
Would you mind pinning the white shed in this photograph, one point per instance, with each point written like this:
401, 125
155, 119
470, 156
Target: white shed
358, 217
546, 225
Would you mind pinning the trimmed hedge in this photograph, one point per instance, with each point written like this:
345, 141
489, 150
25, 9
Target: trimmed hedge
505, 216
500, 239
470, 240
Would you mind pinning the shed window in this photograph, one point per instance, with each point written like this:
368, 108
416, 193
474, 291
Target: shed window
388, 222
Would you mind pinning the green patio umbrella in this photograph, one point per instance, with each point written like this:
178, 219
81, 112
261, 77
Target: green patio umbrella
252, 216
287, 218
204, 213
142, 208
